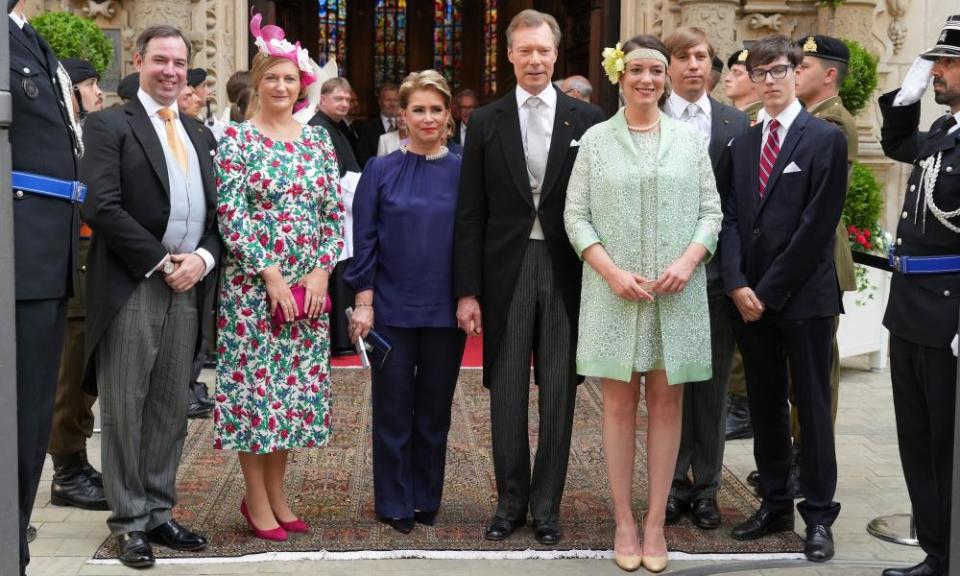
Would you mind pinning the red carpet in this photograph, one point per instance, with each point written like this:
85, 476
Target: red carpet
472, 356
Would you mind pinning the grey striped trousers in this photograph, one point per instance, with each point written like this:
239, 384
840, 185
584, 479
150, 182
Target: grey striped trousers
143, 365
537, 324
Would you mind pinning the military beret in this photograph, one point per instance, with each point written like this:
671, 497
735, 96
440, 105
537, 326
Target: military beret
79, 69
128, 87
825, 47
717, 64
948, 43
738, 57
196, 77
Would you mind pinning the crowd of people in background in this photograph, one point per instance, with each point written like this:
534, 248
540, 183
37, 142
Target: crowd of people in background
682, 250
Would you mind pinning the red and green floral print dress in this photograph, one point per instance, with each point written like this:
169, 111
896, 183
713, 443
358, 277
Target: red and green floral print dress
278, 205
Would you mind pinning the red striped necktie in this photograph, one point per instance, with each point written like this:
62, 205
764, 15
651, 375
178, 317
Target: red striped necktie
768, 156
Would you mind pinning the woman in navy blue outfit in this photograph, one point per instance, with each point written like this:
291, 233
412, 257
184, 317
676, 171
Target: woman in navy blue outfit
402, 271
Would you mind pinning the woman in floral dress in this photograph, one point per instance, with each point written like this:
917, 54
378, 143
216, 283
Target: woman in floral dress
280, 219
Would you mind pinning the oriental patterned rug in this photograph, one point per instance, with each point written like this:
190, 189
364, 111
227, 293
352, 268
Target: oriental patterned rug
332, 488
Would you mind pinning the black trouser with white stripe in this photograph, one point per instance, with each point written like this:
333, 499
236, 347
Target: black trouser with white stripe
537, 324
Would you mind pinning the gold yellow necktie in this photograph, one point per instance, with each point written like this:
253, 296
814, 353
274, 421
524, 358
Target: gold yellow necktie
173, 137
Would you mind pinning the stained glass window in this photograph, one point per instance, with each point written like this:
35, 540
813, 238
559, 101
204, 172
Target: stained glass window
447, 30
333, 31
390, 58
490, 32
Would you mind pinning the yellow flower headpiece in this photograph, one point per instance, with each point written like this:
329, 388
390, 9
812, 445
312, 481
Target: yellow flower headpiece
615, 61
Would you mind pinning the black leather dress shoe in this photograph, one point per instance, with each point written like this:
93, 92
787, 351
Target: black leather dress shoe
675, 509
501, 528
200, 392
763, 522
819, 543
738, 424
73, 486
706, 515
401, 525
924, 568
173, 535
425, 518
546, 533
197, 410
134, 551
753, 478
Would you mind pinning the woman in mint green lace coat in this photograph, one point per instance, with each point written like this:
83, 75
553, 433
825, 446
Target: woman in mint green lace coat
644, 214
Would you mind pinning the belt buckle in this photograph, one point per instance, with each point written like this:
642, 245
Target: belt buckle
896, 264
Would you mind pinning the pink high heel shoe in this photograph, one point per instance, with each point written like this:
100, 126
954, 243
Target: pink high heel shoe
277, 534
299, 526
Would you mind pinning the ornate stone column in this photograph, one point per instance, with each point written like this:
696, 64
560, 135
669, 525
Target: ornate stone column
855, 20
718, 18
642, 17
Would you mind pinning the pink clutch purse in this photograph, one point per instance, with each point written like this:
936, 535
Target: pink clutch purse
299, 292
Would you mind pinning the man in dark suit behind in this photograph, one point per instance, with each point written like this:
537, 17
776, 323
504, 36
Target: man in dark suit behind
44, 141
512, 257
789, 181
368, 135
332, 114
151, 206
704, 403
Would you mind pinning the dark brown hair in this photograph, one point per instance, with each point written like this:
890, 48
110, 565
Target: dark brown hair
161, 31
238, 82
766, 50
653, 43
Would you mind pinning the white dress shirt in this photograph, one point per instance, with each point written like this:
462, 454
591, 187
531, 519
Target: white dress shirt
549, 97
699, 113
785, 118
151, 107
19, 20
548, 112
386, 123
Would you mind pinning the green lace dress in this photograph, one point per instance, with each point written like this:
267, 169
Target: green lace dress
645, 197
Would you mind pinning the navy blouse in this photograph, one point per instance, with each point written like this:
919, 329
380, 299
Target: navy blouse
403, 216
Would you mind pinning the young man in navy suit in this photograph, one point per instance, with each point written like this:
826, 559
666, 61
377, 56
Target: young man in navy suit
789, 181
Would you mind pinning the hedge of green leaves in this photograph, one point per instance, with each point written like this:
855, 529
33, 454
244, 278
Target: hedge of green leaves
861, 78
862, 209
72, 36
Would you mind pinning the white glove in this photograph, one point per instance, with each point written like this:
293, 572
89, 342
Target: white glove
914, 83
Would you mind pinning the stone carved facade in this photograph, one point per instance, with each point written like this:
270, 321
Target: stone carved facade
211, 26
895, 30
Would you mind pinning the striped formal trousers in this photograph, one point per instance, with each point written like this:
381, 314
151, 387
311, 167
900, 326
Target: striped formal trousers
537, 325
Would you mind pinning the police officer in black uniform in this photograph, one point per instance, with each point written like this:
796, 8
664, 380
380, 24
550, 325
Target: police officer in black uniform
924, 299
45, 141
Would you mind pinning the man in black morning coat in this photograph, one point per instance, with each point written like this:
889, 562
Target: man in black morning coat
43, 141
510, 246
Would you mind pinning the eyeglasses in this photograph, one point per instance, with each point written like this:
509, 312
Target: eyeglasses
777, 72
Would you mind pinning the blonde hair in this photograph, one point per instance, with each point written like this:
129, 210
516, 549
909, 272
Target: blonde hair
685, 38
261, 64
424, 80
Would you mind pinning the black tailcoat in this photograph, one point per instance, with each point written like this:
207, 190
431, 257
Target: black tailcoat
495, 211
128, 206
